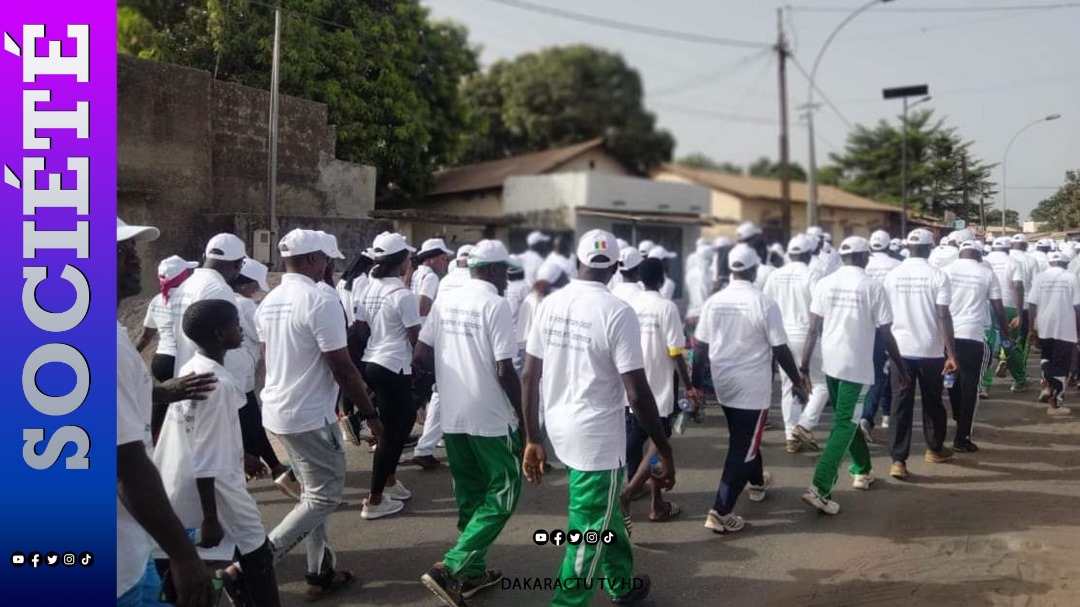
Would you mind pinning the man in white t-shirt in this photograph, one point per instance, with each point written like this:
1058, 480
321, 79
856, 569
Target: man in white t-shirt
920, 296
697, 281
973, 284
630, 287
143, 512
434, 260
879, 396
792, 288
1042, 250
585, 347
848, 309
821, 262
516, 292
739, 334
667, 291
749, 234
1031, 269
1010, 274
539, 245
469, 342
302, 332
1054, 304
945, 253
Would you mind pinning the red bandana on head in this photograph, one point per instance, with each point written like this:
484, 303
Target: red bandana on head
166, 286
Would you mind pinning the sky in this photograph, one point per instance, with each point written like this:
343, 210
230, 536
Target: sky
990, 72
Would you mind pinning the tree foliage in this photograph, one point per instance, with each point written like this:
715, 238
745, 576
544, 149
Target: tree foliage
770, 169
1062, 210
943, 175
561, 96
698, 160
389, 75
993, 218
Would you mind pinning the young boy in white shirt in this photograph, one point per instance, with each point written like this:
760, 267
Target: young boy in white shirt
203, 465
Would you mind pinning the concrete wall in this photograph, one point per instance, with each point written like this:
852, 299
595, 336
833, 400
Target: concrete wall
600, 191
192, 158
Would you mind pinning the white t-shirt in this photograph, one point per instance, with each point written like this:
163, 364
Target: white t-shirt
825, 262
1041, 259
915, 290
943, 255
345, 296
741, 325
667, 290
1029, 265
698, 288
530, 262
852, 306
616, 279
159, 317
662, 338
516, 292
628, 291
973, 285
569, 266
469, 334
202, 439
1056, 292
792, 288
454, 279
587, 339
250, 347
390, 310
134, 395
297, 322
425, 283
203, 284
359, 287
1008, 271
880, 264
763, 272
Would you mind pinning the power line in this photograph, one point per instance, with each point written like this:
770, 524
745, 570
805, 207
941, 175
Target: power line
634, 28
821, 93
715, 114
708, 78
938, 9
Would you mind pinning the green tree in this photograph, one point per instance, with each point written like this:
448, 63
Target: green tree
943, 175
698, 160
765, 167
993, 218
560, 96
1061, 211
389, 75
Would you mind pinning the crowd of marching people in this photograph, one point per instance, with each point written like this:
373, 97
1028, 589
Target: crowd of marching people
574, 353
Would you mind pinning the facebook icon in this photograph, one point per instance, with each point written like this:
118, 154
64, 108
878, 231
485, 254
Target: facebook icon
558, 537
35, 559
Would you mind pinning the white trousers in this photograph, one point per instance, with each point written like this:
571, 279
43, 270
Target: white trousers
796, 414
432, 428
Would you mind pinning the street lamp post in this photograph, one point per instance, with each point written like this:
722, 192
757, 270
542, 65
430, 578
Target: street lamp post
905, 92
1005, 160
812, 184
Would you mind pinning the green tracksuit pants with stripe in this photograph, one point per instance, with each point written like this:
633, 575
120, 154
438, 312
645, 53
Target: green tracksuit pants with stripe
594, 506
487, 484
847, 400
1017, 359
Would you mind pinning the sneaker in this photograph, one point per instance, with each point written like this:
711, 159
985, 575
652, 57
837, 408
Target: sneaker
1002, 369
898, 470
723, 524
806, 437
443, 585
472, 585
792, 446
288, 484
984, 393
636, 595
349, 429
965, 446
384, 508
867, 430
756, 493
939, 457
397, 492
1058, 411
862, 482
1018, 387
411, 441
427, 462
885, 421
441, 444
1044, 394
814, 498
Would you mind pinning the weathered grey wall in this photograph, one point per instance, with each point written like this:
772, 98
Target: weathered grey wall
192, 158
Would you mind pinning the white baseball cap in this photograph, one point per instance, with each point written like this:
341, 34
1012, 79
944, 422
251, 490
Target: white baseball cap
896, 244
622, 243
629, 258
549, 272
487, 252
1056, 257
945, 240
300, 242
962, 236
435, 244
389, 243
854, 244
879, 240
815, 232
659, 252
721, 241
173, 266
700, 242
330, 245
1019, 238
742, 257
828, 237
136, 233
746, 230
645, 246
1045, 242
536, 237
777, 248
799, 244
920, 236
368, 253
971, 244
255, 271
598, 243
463, 251
226, 247
1001, 242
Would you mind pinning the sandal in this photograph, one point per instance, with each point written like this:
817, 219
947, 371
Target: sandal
671, 510
320, 590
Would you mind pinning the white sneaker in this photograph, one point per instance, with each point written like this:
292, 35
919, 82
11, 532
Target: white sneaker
867, 431
397, 492
723, 524
756, 493
884, 421
815, 499
862, 482
385, 508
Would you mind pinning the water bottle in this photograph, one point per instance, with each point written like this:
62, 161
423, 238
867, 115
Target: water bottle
1007, 345
680, 419
950, 380
654, 465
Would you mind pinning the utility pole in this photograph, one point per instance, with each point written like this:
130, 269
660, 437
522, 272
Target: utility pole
785, 167
963, 184
272, 179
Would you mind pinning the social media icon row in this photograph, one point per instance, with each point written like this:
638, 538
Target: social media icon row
51, 559
557, 537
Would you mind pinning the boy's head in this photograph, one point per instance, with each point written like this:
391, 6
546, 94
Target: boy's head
651, 273
213, 324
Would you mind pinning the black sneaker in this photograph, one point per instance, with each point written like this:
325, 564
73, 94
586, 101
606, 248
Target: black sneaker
411, 441
472, 585
427, 462
965, 447
439, 581
636, 595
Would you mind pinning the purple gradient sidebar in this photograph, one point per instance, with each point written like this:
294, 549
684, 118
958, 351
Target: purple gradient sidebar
58, 206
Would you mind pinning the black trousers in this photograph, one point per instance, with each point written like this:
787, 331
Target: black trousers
743, 463
397, 412
926, 374
1056, 359
972, 356
254, 435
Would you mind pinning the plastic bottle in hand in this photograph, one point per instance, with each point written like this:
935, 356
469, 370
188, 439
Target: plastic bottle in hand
680, 419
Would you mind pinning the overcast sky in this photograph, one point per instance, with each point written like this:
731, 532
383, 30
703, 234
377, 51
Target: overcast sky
989, 72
